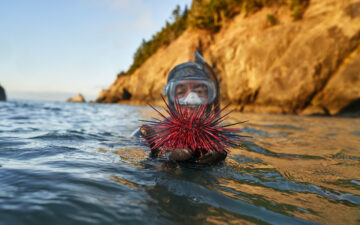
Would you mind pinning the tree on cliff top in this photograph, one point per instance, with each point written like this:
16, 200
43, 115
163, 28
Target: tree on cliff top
162, 38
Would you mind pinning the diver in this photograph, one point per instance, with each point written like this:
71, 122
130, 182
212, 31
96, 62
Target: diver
192, 84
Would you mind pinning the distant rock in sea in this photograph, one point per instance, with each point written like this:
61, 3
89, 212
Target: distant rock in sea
2, 94
78, 98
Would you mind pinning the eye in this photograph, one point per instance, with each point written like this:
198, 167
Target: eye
180, 90
201, 90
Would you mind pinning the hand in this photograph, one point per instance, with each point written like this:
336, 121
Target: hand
181, 154
212, 157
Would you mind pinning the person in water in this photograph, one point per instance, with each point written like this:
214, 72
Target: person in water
192, 84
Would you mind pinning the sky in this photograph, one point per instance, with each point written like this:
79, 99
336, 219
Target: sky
53, 50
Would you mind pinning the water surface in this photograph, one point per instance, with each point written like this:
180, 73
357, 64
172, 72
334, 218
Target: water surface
63, 163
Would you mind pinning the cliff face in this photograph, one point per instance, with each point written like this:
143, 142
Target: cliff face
307, 66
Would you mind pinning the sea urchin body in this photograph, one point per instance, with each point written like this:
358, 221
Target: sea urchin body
195, 129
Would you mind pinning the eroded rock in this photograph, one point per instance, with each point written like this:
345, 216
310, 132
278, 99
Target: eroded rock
342, 92
78, 98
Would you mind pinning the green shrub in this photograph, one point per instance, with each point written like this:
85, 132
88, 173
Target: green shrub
162, 38
122, 73
271, 19
297, 14
298, 7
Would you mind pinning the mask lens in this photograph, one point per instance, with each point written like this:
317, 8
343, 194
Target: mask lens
202, 88
184, 89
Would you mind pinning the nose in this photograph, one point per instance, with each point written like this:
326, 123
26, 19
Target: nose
193, 98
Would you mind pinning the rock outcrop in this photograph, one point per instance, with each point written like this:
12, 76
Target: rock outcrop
78, 98
307, 66
2, 94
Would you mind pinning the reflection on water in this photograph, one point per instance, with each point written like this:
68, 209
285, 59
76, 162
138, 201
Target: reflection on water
67, 163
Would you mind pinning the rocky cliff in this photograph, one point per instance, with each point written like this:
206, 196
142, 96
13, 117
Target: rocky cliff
2, 94
284, 66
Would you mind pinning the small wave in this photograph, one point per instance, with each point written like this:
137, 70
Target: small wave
19, 118
250, 146
46, 152
11, 142
55, 135
283, 126
56, 109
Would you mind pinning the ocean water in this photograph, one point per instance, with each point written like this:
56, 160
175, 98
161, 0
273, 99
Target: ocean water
68, 163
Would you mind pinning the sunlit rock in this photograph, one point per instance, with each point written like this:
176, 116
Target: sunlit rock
342, 92
78, 98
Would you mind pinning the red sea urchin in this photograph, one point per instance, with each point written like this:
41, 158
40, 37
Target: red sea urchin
197, 129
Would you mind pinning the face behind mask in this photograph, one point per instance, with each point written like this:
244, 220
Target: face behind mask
191, 92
